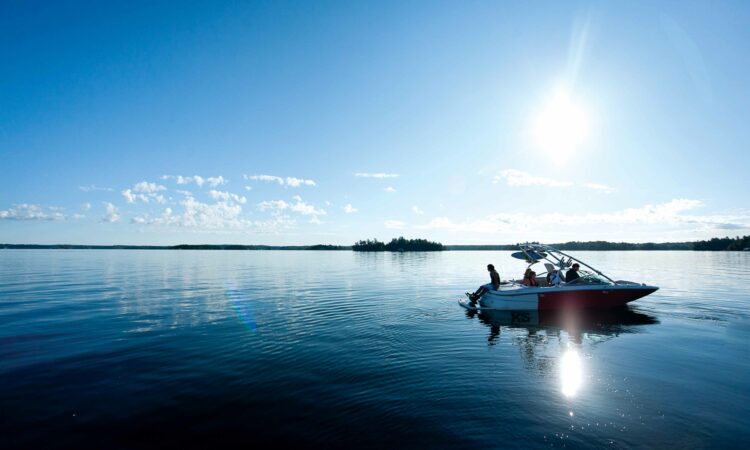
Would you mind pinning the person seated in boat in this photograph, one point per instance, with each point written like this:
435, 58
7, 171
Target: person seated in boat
572, 274
529, 278
554, 278
493, 285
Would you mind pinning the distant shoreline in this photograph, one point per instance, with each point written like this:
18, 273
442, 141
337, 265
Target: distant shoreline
569, 246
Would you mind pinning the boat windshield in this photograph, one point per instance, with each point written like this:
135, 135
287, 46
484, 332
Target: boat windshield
589, 278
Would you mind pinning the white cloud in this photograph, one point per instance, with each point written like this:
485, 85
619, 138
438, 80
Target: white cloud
199, 215
85, 206
389, 189
288, 181
225, 214
314, 220
197, 179
131, 197
416, 210
348, 208
273, 205
226, 196
375, 175
93, 187
274, 225
145, 192
111, 213
298, 207
516, 178
248, 188
599, 187
296, 182
269, 178
25, 211
491, 225
306, 209
148, 188
394, 224
216, 181
671, 213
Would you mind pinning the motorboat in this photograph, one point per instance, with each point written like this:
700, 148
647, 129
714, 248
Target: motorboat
591, 290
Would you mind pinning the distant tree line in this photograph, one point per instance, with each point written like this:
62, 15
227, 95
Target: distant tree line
259, 247
726, 243
716, 244
398, 245
604, 245
595, 245
419, 245
176, 247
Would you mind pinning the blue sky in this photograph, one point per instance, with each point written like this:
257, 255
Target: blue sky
328, 122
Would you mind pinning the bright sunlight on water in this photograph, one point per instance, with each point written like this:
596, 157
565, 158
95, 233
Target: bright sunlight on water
571, 373
109, 349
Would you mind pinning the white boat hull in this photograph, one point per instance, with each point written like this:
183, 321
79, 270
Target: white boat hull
523, 298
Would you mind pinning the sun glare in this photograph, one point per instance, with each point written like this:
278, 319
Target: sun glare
561, 127
571, 373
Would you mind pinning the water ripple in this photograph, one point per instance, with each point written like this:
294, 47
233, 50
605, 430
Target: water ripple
342, 348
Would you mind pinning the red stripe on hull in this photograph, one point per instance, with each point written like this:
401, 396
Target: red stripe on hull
590, 299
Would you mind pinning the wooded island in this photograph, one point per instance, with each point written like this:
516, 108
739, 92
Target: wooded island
398, 245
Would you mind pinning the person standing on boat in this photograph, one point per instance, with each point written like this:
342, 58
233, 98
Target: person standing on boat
572, 273
493, 285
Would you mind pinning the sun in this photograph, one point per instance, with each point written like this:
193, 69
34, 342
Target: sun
561, 127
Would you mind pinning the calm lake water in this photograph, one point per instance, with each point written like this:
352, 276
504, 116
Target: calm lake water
126, 349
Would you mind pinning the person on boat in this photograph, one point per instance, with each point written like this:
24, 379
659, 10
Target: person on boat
554, 278
572, 273
493, 285
529, 278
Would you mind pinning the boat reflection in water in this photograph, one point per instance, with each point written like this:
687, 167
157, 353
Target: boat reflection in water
552, 341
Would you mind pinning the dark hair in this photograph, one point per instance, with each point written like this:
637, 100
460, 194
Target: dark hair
490, 266
576, 265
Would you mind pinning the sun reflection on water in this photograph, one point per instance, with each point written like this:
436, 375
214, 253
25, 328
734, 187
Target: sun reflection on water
571, 373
